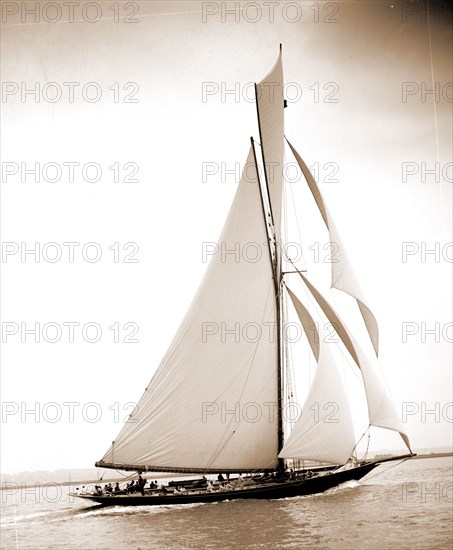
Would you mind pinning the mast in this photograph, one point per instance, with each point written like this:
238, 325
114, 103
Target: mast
265, 171
276, 270
281, 461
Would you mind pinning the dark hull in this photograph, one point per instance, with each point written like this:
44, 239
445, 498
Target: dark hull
283, 489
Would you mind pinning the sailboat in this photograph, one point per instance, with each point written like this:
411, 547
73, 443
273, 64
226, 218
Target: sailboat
216, 403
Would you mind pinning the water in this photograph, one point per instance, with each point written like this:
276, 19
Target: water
407, 506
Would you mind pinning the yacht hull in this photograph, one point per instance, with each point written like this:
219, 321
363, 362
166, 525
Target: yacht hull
279, 489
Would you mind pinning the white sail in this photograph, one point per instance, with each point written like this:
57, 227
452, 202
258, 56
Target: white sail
211, 404
381, 410
324, 431
343, 277
214, 403
270, 105
308, 324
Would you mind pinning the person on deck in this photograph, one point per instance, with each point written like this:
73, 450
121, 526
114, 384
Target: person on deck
131, 487
141, 484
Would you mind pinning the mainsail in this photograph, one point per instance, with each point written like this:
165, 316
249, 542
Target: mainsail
210, 405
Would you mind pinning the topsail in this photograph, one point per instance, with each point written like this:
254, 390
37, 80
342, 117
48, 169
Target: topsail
270, 105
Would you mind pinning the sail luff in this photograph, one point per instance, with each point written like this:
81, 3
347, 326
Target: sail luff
263, 207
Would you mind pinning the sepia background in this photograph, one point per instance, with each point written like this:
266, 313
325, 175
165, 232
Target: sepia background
362, 113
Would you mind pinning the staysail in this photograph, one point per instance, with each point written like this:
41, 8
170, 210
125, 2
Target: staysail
381, 410
210, 405
343, 277
324, 430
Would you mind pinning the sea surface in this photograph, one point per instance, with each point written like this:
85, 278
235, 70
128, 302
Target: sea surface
395, 507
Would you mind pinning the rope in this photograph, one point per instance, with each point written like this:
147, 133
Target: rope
390, 467
367, 430
367, 445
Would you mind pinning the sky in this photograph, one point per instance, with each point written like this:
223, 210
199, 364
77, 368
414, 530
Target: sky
133, 98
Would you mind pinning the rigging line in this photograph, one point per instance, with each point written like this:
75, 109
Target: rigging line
289, 370
338, 343
277, 276
267, 212
351, 363
289, 364
124, 475
435, 117
389, 468
309, 358
284, 222
310, 366
342, 354
361, 437
304, 262
299, 232
367, 446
